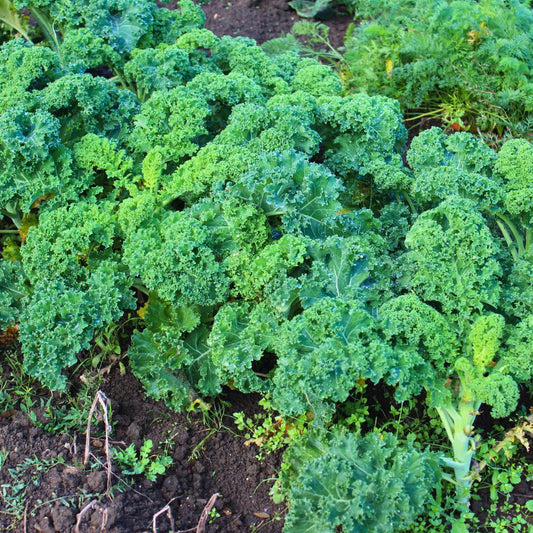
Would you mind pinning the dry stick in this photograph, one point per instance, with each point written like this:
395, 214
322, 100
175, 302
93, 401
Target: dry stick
103, 400
205, 513
167, 510
25, 522
200, 528
92, 504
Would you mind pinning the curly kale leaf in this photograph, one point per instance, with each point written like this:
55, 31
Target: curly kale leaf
28, 135
451, 259
284, 122
286, 186
13, 290
78, 287
173, 257
235, 228
260, 275
242, 334
322, 352
486, 369
60, 319
82, 50
121, 23
358, 483
515, 165
159, 368
157, 69
169, 25
173, 121
87, 104
316, 79
101, 159
453, 165
34, 164
243, 56
424, 342
515, 358
256, 259
355, 267
359, 129
23, 69
68, 241
159, 357
518, 295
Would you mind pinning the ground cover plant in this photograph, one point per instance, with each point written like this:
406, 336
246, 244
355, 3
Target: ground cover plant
466, 62
268, 235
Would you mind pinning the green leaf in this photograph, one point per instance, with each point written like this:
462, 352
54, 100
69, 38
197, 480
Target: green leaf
309, 8
10, 16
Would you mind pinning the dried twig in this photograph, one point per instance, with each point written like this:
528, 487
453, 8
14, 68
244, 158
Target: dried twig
167, 510
93, 504
25, 521
101, 399
200, 528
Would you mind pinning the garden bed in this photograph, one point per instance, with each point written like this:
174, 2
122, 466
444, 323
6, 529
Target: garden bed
361, 354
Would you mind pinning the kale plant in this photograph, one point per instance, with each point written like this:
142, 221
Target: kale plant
223, 184
353, 483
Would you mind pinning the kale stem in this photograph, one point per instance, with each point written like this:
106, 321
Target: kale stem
48, 30
508, 239
458, 422
11, 19
410, 203
519, 239
141, 288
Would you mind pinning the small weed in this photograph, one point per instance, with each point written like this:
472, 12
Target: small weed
3, 456
133, 463
13, 495
213, 515
106, 348
212, 418
269, 431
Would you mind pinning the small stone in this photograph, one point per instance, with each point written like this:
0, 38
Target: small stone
96, 481
134, 431
170, 487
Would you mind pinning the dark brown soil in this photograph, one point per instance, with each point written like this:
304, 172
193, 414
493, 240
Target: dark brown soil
263, 19
43, 484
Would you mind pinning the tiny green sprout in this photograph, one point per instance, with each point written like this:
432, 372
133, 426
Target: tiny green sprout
213, 515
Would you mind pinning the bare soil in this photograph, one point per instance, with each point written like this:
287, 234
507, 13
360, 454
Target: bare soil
265, 19
44, 484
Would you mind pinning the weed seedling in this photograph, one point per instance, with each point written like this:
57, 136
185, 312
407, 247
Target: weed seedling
133, 463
